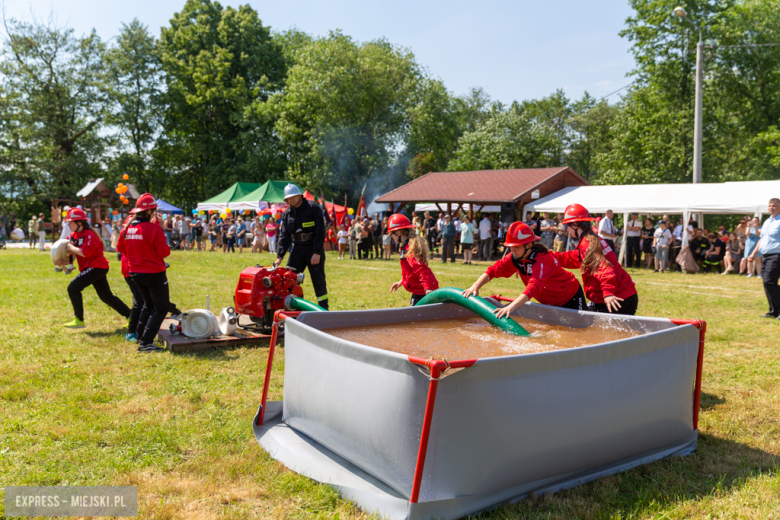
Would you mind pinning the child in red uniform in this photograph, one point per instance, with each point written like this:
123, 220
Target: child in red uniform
145, 245
416, 276
606, 283
93, 267
545, 280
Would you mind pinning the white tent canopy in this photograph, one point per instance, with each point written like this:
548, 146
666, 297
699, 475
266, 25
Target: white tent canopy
656, 199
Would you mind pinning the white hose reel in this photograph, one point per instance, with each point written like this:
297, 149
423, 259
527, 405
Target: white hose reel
59, 254
228, 321
199, 324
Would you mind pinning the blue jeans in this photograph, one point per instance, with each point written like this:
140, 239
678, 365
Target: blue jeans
168, 237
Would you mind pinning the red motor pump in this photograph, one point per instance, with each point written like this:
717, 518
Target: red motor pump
261, 291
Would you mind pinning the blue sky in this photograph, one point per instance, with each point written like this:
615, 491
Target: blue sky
515, 50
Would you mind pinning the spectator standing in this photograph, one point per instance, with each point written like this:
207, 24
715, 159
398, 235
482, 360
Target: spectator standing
364, 243
753, 234
466, 239
224, 227
32, 231
258, 235
12, 220
430, 232
607, 229
168, 228
376, 239
387, 240
56, 220
240, 234
447, 240
547, 229
41, 231
270, 235
197, 233
662, 239
633, 237
343, 238
213, 233
486, 237
354, 237
648, 234
561, 236
769, 247
530, 221
4, 225
231, 236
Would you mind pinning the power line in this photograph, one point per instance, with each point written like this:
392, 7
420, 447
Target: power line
615, 92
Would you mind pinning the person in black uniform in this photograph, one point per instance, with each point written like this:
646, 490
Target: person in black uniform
302, 233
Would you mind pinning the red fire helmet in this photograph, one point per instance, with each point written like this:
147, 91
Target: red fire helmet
397, 222
144, 202
576, 213
75, 214
519, 234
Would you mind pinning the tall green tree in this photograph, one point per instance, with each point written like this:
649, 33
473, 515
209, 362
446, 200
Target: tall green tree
436, 124
344, 112
218, 63
507, 139
653, 133
134, 82
53, 104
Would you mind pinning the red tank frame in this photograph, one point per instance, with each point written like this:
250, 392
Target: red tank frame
438, 367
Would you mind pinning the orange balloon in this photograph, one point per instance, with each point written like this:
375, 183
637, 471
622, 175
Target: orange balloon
119, 190
125, 176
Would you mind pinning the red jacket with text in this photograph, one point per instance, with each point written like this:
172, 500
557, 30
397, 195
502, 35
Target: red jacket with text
545, 280
92, 248
145, 246
609, 280
417, 278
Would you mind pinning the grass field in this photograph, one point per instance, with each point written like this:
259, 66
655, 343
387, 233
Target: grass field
84, 408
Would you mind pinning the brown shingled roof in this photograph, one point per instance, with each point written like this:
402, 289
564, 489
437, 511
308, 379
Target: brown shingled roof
483, 186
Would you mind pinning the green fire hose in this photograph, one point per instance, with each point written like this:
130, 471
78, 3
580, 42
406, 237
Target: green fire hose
299, 304
475, 304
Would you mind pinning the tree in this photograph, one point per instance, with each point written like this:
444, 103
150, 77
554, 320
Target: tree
436, 124
53, 104
218, 62
344, 112
591, 125
135, 86
506, 139
653, 134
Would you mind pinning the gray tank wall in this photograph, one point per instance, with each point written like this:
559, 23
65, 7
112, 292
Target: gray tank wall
500, 423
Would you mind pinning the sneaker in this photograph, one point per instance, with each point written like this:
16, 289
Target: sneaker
131, 337
749, 276
75, 324
150, 347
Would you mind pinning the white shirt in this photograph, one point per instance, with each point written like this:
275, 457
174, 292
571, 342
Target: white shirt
20, 234
606, 226
485, 229
343, 237
457, 224
633, 223
662, 237
678, 232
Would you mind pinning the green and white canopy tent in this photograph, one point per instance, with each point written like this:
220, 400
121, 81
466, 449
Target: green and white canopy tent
229, 198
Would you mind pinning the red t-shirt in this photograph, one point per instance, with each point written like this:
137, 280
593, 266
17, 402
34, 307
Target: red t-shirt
91, 247
545, 280
417, 278
610, 278
145, 246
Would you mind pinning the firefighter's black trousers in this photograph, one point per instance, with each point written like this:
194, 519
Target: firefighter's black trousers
154, 291
97, 279
300, 259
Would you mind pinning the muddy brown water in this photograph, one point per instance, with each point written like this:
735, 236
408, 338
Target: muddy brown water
469, 338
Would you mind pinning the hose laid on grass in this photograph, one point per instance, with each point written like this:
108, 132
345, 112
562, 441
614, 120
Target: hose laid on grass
475, 304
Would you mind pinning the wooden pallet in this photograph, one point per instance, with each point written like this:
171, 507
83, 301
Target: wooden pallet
180, 343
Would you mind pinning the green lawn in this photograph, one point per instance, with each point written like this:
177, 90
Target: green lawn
84, 408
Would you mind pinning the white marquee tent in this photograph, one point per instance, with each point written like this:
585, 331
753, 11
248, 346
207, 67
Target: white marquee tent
747, 197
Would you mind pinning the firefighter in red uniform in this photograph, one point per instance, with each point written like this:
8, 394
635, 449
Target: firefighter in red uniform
607, 285
416, 276
93, 267
144, 244
545, 280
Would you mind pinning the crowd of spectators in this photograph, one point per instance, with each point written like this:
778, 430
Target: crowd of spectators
448, 236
